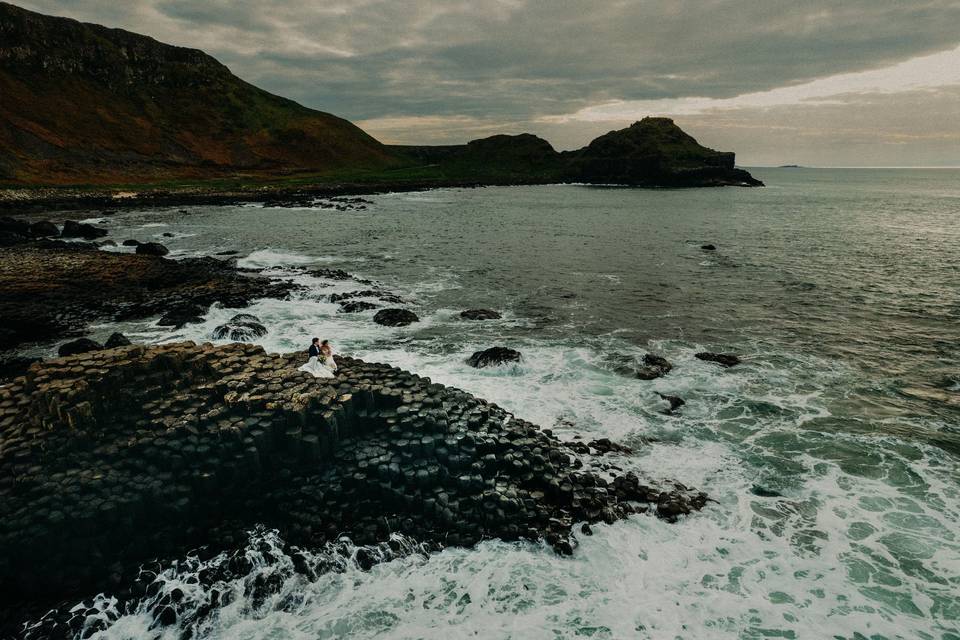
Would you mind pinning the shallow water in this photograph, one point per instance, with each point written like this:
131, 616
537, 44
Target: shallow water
840, 289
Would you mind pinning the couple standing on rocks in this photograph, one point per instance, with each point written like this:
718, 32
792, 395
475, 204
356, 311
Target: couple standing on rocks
321, 363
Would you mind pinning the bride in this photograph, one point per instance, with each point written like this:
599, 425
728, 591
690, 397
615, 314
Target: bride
321, 363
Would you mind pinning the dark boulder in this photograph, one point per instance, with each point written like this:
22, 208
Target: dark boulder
708, 247
183, 315
606, 445
356, 306
675, 402
234, 302
395, 317
152, 249
116, 339
80, 345
73, 229
131, 243
167, 234
480, 314
12, 225
493, 356
242, 327
44, 229
10, 238
722, 359
650, 368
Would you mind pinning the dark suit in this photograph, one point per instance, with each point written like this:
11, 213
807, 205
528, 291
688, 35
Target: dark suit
314, 351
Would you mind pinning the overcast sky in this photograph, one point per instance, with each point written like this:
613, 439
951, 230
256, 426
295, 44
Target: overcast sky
855, 83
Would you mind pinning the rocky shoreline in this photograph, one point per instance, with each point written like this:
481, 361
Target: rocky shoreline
113, 458
52, 289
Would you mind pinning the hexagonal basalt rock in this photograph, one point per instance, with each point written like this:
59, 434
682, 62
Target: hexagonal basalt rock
113, 457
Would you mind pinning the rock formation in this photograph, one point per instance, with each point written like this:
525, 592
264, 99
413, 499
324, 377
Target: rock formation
113, 457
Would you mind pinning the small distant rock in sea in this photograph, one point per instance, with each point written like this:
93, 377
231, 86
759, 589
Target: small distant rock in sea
242, 327
480, 314
708, 247
356, 306
675, 402
493, 356
395, 317
722, 359
131, 243
763, 492
152, 249
651, 368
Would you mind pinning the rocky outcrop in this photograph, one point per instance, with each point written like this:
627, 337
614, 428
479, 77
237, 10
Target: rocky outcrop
52, 289
80, 345
151, 249
480, 314
492, 357
650, 367
722, 359
113, 457
242, 327
395, 317
83, 230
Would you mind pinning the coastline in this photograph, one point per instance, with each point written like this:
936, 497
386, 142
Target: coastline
28, 200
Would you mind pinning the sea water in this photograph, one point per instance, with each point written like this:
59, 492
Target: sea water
833, 451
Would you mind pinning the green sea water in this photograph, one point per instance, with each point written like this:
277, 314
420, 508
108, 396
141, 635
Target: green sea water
833, 451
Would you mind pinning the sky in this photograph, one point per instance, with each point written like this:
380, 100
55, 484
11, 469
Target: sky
811, 82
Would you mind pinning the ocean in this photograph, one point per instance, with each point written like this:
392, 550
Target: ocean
832, 451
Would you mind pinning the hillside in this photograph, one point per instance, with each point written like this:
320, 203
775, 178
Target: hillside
84, 103
86, 106
651, 152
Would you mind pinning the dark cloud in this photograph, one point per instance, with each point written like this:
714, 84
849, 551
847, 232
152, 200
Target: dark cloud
514, 61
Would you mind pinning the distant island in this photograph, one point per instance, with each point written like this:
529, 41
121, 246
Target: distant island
789, 166
99, 109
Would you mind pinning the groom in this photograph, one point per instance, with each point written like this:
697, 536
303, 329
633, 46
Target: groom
314, 348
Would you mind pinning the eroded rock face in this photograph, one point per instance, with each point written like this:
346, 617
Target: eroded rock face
480, 314
116, 339
113, 457
493, 356
242, 327
395, 317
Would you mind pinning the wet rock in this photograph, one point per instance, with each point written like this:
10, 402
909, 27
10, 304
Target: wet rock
493, 356
182, 315
44, 229
227, 253
605, 445
395, 317
708, 247
723, 359
480, 314
242, 327
356, 306
167, 234
80, 345
14, 226
650, 367
116, 339
134, 453
152, 249
73, 229
675, 402
131, 243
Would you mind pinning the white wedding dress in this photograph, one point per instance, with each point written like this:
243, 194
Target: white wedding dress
320, 368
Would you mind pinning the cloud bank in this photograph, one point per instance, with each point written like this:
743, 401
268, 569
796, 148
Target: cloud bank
738, 73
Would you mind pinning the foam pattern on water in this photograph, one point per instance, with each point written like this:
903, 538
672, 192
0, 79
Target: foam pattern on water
827, 524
